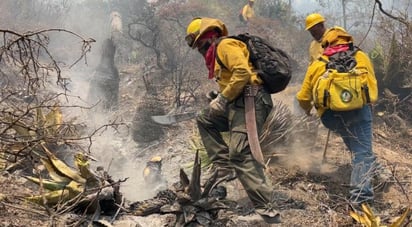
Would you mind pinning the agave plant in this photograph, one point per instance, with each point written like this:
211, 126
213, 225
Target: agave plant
369, 219
192, 204
65, 184
75, 189
26, 131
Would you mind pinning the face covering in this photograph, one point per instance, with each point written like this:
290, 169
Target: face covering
207, 48
210, 58
203, 49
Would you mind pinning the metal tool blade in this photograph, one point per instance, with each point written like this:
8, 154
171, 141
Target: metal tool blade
174, 118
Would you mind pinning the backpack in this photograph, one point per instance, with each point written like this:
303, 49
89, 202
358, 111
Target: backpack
272, 64
341, 87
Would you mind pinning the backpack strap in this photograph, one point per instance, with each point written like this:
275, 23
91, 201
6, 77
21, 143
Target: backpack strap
324, 60
220, 62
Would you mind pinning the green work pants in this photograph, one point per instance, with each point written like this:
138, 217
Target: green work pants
236, 154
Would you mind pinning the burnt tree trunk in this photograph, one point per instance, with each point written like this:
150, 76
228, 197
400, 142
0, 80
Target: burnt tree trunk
104, 85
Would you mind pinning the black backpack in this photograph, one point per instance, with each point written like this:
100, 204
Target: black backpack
271, 63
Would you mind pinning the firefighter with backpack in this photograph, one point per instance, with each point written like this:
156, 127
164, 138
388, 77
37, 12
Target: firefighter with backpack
241, 96
342, 95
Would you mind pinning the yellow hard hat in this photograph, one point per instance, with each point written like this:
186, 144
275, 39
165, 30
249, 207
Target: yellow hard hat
313, 19
194, 26
251, 0
156, 159
198, 26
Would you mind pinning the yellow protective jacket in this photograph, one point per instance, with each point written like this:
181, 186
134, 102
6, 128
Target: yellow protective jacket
318, 68
315, 51
248, 12
237, 70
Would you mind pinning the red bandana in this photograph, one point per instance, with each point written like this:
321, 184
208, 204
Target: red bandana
210, 58
329, 51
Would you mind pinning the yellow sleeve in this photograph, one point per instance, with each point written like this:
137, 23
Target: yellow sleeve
304, 95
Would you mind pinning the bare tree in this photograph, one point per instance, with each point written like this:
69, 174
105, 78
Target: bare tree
30, 112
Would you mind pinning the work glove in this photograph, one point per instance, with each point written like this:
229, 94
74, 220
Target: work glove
218, 105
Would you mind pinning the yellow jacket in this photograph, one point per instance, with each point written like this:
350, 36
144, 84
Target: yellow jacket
317, 68
248, 12
237, 71
315, 51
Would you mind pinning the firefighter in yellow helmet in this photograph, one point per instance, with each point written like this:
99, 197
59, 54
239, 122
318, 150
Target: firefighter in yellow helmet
152, 174
354, 126
237, 82
315, 24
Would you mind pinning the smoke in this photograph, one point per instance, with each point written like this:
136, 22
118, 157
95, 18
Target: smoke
90, 20
305, 148
115, 152
113, 147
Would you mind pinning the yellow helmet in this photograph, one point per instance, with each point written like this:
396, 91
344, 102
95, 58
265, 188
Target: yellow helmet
156, 159
198, 26
194, 26
313, 19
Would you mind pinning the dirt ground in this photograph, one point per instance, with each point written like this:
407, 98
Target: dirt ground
310, 191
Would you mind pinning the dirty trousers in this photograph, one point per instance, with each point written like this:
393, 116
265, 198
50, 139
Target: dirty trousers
236, 153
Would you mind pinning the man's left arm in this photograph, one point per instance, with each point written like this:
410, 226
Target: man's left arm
304, 95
